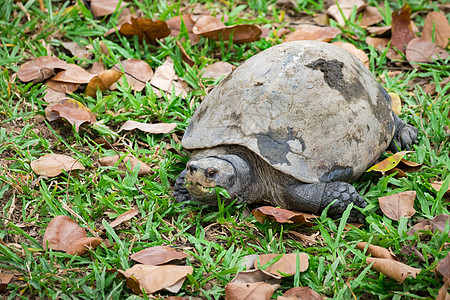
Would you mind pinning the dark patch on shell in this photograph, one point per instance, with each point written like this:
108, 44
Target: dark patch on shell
338, 173
274, 145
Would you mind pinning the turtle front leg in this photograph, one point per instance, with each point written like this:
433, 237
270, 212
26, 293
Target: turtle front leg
315, 197
404, 137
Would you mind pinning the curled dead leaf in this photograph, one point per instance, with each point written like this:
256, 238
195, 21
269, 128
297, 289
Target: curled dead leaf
100, 8
437, 223
300, 293
370, 16
102, 81
73, 74
378, 43
281, 215
286, 264
72, 111
137, 73
398, 205
346, 6
420, 50
217, 70
166, 80
174, 24
144, 28
124, 217
360, 54
377, 251
388, 163
252, 284
111, 161
313, 32
40, 68
157, 255
158, 128
393, 269
402, 31
52, 165
436, 23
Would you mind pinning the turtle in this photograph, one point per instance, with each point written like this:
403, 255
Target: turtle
293, 126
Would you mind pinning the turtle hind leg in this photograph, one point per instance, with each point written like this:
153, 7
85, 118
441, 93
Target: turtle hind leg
404, 137
315, 197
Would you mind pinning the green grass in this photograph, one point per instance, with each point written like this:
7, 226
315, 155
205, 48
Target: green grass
216, 239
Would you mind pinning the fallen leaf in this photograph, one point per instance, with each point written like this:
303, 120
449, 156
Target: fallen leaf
166, 79
346, 6
409, 251
174, 25
213, 28
393, 269
52, 165
252, 285
398, 205
73, 74
396, 103
77, 51
5, 280
379, 30
281, 215
378, 43
155, 278
62, 87
443, 295
100, 8
286, 4
377, 251
409, 166
97, 67
103, 81
132, 282
437, 185
370, 16
443, 267
157, 255
420, 50
361, 55
52, 96
431, 87
137, 73
64, 234
402, 31
308, 239
300, 293
158, 128
436, 21
40, 68
286, 264
111, 161
388, 163
217, 70
124, 217
184, 55
72, 111
249, 261
144, 28
313, 32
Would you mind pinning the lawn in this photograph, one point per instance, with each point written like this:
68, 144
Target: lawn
117, 169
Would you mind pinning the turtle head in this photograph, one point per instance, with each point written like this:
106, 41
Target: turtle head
230, 172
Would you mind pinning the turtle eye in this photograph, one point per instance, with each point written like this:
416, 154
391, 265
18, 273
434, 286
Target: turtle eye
211, 172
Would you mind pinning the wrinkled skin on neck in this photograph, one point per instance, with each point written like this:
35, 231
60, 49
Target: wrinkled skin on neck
228, 171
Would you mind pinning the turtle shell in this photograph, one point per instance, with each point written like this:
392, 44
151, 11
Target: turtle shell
310, 109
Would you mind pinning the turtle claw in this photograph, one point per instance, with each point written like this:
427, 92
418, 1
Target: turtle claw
405, 136
344, 194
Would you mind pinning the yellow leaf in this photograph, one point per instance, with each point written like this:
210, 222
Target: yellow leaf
396, 103
389, 163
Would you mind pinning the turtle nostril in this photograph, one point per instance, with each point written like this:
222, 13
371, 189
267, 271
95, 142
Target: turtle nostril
192, 168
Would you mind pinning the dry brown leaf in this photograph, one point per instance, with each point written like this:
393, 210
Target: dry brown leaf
158, 128
313, 32
420, 50
100, 8
155, 278
157, 255
408, 251
437, 185
213, 28
184, 55
77, 51
5, 280
144, 28
393, 269
398, 205
52, 96
379, 30
361, 55
281, 215
409, 166
97, 67
396, 103
308, 239
347, 7
64, 234
377, 251
431, 87
110, 161
438, 20
174, 24
132, 282
300, 293
103, 81
73, 74
286, 4
40, 68
286, 264
217, 70
72, 111
62, 87
443, 295
370, 16
137, 73
124, 217
252, 285
378, 43
166, 79
52, 165
402, 31
443, 267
